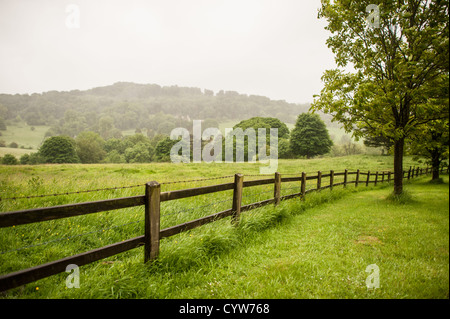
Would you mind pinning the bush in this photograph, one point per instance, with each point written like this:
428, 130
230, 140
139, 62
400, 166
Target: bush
9, 159
25, 159
36, 158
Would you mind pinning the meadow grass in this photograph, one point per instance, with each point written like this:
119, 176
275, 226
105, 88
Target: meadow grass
317, 248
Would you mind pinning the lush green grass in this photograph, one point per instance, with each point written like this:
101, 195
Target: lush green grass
318, 248
74, 177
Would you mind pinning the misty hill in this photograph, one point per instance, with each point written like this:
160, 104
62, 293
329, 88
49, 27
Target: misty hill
126, 106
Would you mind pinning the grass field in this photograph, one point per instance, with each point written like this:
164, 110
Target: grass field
318, 248
23, 135
17, 152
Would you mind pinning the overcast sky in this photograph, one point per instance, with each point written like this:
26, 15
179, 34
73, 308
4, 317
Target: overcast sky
274, 48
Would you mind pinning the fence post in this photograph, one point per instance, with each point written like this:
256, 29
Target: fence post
389, 177
368, 178
357, 178
303, 185
417, 172
277, 188
319, 180
331, 179
376, 178
345, 177
152, 214
237, 198
409, 173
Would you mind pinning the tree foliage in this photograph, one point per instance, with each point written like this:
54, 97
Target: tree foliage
90, 147
267, 123
129, 106
257, 123
9, 159
59, 149
400, 69
432, 143
310, 136
163, 148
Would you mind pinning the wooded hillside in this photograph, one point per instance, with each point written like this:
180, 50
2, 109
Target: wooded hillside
139, 106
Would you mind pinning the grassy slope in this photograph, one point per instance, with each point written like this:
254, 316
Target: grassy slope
22, 134
319, 248
17, 152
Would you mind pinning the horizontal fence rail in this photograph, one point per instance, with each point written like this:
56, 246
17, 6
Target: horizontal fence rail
152, 199
56, 212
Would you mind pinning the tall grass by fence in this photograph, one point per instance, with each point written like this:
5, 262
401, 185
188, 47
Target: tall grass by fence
152, 202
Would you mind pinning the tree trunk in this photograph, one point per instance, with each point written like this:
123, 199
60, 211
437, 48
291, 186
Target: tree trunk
398, 166
435, 163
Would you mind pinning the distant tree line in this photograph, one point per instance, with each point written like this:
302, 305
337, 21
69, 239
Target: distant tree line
309, 138
128, 106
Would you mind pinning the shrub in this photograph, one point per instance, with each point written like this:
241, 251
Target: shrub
9, 159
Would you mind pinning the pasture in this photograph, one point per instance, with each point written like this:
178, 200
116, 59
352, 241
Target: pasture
317, 248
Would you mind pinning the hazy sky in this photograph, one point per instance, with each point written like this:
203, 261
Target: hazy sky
274, 48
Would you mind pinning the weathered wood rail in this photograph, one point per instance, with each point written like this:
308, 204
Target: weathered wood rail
152, 199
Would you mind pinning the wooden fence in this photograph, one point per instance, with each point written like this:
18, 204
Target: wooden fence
152, 199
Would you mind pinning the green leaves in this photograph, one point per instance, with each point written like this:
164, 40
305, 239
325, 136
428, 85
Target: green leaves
401, 69
397, 66
59, 149
310, 136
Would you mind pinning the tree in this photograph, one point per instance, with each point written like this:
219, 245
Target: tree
284, 150
400, 61
139, 153
256, 123
267, 123
25, 159
59, 149
162, 150
433, 143
379, 141
106, 127
115, 157
310, 136
89, 147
